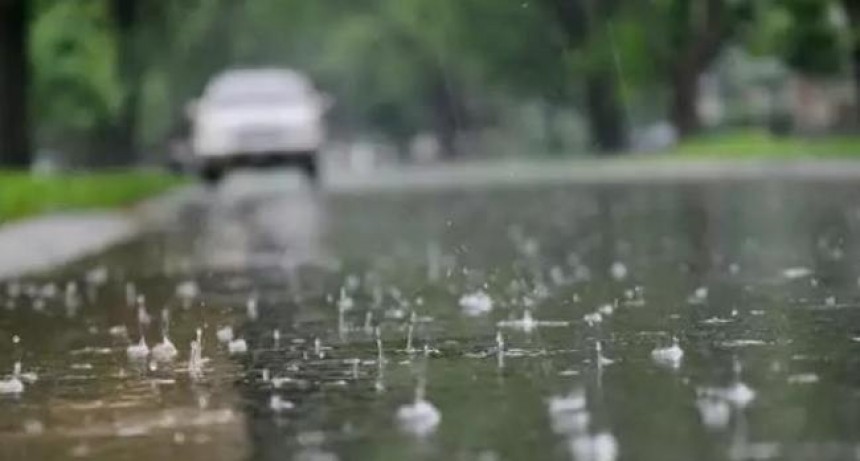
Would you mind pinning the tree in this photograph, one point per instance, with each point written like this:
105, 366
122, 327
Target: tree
14, 83
583, 25
852, 10
699, 33
811, 45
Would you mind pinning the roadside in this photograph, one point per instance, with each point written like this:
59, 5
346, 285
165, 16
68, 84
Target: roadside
46, 221
762, 144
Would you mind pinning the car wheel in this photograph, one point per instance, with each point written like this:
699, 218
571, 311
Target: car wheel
212, 174
310, 168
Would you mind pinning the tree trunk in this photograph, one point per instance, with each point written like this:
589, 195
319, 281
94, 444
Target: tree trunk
852, 10
685, 97
580, 21
605, 114
855, 62
125, 16
447, 114
14, 79
708, 30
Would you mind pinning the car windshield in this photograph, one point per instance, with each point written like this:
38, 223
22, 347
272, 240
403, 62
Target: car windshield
247, 97
263, 87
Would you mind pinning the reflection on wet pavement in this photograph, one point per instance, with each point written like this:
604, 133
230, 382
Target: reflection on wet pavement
654, 322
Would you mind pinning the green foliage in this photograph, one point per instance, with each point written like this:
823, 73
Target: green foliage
809, 40
754, 143
385, 61
73, 58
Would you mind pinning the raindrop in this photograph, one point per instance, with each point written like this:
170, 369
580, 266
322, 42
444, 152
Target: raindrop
379, 349
715, 412
130, 294
251, 308
410, 330
793, 273
618, 271
143, 317
500, 349
803, 378
699, 296
318, 349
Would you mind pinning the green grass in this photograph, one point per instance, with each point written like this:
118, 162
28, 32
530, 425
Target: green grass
750, 144
23, 194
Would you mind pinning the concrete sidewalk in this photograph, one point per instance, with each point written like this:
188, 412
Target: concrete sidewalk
42, 243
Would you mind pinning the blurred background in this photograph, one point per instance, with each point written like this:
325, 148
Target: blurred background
92, 83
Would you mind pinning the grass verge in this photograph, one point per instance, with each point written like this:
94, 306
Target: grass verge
752, 144
23, 194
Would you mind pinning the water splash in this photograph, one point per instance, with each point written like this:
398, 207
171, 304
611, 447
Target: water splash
476, 303
130, 294
195, 357
143, 317
13, 384
379, 349
601, 360
277, 404
596, 447
409, 332
318, 349
670, 357
500, 349
138, 351
344, 302
237, 346
225, 334
527, 323
187, 292
421, 417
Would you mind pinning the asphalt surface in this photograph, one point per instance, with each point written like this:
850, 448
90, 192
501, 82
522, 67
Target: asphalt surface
455, 314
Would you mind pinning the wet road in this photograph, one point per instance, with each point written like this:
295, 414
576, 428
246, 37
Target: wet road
670, 321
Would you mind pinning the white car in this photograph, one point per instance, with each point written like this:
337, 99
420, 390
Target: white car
258, 117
